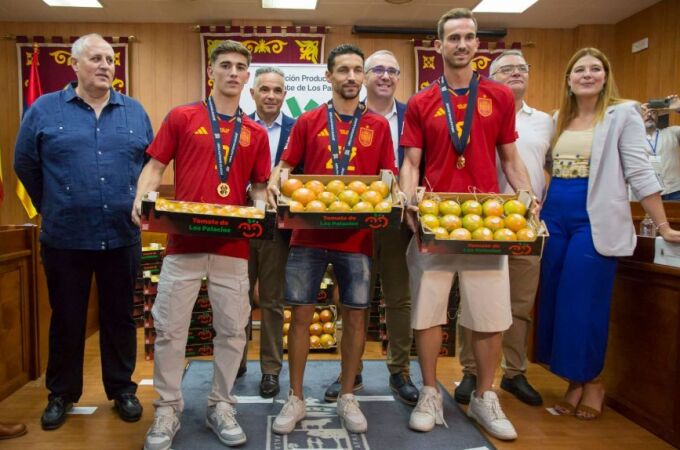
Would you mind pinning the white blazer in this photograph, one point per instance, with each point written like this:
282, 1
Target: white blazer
618, 157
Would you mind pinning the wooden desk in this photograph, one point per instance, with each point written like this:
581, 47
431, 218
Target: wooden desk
642, 370
18, 314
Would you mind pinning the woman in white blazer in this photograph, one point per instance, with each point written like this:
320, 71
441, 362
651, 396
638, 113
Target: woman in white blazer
599, 149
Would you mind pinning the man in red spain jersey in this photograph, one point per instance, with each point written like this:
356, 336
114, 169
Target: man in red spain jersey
342, 138
217, 151
456, 126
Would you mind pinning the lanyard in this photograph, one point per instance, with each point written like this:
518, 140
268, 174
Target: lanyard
340, 162
459, 144
656, 142
222, 169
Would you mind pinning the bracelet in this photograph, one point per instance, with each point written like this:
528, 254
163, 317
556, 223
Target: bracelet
661, 224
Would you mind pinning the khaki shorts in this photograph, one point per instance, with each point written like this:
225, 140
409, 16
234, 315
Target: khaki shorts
484, 289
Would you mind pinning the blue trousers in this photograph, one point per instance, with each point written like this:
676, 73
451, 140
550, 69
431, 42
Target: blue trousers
576, 287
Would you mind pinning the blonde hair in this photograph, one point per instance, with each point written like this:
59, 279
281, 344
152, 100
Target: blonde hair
608, 96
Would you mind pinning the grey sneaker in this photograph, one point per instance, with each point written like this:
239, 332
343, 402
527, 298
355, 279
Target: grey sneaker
292, 412
486, 410
428, 412
348, 409
221, 419
163, 429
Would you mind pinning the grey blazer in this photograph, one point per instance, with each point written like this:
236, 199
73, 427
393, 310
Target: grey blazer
618, 158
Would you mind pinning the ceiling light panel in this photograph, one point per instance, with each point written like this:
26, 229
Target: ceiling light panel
289, 4
74, 3
503, 6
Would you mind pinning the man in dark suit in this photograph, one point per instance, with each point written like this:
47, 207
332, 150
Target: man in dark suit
389, 246
267, 261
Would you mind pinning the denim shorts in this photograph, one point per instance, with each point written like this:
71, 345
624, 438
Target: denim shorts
305, 269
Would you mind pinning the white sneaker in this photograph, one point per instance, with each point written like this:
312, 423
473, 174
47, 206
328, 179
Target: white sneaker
348, 410
221, 418
486, 410
292, 412
428, 411
163, 429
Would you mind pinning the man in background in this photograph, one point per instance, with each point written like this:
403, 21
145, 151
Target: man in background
267, 263
389, 246
664, 149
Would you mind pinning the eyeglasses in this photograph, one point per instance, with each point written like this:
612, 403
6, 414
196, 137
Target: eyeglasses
382, 70
507, 70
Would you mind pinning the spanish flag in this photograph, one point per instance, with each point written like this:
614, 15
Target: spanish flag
32, 93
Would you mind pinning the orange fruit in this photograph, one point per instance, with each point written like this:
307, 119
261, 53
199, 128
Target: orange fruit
482, 234
450, 222
363, 207
290, 185
287, 315
441, 233
328, 327
514, 207
384, 206
357, 186
430, 221
492, 207
286, 328
526, 234
296, 206
428, 206
326, 197
338, 206
315, 186
326, 340
335, 186
326, 315
494, 223
460, 234
303, 195
315, 317
504, 234
314, 341
515, 222
372, 197
449, 207
472, 221
349, 196
315, 206
471, 207
380, 187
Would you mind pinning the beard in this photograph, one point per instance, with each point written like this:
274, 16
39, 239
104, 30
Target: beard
650, 124
347, 94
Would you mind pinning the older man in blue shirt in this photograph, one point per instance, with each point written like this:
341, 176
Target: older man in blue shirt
79, 153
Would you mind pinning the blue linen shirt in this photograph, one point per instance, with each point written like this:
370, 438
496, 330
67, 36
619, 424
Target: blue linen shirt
81, 172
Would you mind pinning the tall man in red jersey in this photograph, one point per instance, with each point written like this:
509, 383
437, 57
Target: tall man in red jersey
456, 125
342, 138
217, 150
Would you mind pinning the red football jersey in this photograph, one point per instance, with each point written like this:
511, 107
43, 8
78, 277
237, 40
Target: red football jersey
309, 144
493, 124
186, 137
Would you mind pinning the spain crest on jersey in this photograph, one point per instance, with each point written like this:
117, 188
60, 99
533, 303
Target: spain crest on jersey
365, 137
244, 139
484, 106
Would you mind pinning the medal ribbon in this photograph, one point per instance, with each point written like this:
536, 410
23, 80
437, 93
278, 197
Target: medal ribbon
656, 142
340, 162
222, 169
459, 144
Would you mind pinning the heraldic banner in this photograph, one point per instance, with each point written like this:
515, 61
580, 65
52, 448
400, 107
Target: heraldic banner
55, 64
268, 45
429, 64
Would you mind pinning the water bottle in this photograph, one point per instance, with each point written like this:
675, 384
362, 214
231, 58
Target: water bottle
647, 227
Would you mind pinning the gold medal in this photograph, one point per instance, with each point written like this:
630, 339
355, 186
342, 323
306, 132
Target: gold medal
460, 164
223, 190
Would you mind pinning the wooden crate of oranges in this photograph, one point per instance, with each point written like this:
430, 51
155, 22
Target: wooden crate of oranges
322, 331
483, 224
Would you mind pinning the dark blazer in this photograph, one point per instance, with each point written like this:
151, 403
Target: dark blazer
401, 110
286, 125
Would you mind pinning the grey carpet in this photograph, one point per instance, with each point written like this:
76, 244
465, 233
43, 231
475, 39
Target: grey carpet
387, 418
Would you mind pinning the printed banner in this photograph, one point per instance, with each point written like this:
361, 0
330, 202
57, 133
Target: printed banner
55, 65
429, 64
306, 88
268, 45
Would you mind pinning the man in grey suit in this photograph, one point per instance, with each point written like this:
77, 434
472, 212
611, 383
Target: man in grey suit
267, 261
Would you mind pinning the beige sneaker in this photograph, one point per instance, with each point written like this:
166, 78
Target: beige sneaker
163, 429
486, 410
429, 411
292, 412
349, 411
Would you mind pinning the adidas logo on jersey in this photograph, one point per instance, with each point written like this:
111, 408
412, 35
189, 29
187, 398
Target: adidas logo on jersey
201, 130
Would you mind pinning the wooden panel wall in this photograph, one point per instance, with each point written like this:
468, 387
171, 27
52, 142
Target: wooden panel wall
165, 66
